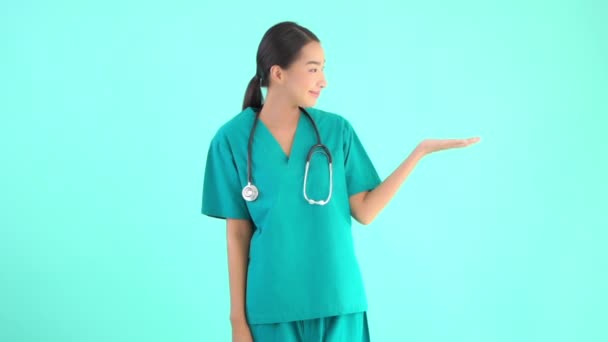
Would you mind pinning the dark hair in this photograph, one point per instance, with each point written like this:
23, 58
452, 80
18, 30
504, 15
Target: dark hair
280, 45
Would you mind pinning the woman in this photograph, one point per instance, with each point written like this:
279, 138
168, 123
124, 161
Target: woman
292, 267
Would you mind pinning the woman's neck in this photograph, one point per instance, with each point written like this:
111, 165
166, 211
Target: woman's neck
279, 114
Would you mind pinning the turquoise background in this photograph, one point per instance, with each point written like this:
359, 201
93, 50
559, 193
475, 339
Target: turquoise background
107, 109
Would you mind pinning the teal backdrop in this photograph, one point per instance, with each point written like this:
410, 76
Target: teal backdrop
108, 107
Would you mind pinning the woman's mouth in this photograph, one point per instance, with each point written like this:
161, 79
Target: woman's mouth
315, 94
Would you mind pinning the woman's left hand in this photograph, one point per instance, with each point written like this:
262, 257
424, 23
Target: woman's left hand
428, 146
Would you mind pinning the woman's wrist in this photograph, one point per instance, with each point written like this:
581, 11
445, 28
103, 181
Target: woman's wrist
237, 320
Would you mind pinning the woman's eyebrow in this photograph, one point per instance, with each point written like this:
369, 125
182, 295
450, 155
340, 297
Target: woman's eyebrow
314, 62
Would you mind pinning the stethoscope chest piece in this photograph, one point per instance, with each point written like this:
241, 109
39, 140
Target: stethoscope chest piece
250, 192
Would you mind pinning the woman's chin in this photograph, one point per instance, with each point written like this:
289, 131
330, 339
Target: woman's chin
310, 103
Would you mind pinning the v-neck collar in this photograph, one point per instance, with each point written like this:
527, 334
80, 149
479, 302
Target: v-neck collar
276, 143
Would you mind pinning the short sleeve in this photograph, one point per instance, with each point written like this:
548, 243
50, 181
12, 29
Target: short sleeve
361, 175
221, 187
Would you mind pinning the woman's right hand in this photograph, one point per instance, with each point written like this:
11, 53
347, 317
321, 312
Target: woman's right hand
241, 333
429, 146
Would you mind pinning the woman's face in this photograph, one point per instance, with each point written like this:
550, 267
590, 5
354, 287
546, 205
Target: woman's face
305, 78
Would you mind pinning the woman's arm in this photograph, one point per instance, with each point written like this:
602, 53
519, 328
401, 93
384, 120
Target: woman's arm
238, 236
366, 205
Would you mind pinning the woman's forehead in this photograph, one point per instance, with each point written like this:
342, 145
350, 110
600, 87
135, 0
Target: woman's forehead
312, 53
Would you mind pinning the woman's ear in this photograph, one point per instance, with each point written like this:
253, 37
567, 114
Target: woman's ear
277, 74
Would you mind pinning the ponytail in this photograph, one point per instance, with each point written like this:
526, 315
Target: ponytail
253, 94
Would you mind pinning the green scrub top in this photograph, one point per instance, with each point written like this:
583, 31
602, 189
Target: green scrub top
302, 262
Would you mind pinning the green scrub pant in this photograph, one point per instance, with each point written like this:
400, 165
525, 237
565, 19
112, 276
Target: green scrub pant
343, 328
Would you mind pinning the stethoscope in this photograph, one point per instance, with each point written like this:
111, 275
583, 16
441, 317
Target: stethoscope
250, 191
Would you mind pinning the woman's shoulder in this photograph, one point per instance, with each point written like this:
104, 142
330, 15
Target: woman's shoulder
327, 116
336, 121
237, 124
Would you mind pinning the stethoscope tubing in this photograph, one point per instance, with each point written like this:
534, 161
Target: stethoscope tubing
250, 191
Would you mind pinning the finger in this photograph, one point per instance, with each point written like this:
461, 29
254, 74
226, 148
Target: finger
457, 142
468, 141
473, 140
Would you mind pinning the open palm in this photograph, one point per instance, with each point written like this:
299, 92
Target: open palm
433, 145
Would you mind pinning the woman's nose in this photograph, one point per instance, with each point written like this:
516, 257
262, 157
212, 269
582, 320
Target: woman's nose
323, 82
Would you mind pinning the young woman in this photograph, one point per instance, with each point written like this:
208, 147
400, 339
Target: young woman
287, 178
